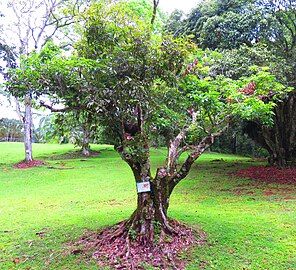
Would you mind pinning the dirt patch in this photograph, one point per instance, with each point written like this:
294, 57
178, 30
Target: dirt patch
124, 253
269, 174
28, 164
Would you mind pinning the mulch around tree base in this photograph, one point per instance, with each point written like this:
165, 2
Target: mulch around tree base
123, 253
269, 174
28, 164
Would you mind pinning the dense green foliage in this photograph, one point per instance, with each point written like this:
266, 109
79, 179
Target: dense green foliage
251, 32
121, 67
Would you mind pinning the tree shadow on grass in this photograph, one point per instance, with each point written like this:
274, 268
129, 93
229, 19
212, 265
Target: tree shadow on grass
76, 154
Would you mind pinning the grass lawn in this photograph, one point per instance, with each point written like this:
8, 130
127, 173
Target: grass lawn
249, 225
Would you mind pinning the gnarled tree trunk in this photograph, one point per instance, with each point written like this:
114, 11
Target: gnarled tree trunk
279, 140
150, 217
151, 213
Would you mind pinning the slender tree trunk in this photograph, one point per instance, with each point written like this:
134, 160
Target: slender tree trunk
27, 121
28, 129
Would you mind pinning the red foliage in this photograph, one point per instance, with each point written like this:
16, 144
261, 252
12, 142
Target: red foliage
28, 164
190, 68
269, 174
249, 89
121, 252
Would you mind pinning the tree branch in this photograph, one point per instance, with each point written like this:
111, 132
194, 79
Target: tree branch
66, 109
174, 152
197, 151
18, 110
155, 5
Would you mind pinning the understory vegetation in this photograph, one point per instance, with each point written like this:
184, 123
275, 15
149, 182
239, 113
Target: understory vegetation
249, 224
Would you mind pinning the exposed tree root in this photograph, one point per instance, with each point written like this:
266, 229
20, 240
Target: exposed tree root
118, 248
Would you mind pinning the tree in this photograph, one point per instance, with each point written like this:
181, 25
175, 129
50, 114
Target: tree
77, 127
139, 82
174, 22
254, 33
280, 140
34, 22
222, 24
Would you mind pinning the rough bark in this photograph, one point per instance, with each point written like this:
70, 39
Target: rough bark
279, 140
85, 151
150, 216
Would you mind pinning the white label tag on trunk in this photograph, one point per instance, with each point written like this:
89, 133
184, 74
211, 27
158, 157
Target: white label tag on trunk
143, 187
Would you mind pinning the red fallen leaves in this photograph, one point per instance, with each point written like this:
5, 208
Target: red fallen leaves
269, 174
123, 253
28, 164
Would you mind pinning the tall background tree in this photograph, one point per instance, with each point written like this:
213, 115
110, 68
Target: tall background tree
252, 32
27, 26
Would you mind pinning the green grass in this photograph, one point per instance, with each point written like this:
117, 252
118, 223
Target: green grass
245, 228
